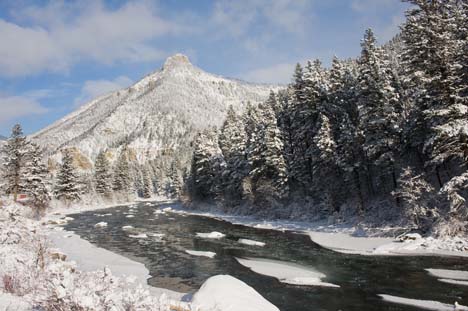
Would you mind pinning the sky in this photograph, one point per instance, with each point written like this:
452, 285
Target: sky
57, 55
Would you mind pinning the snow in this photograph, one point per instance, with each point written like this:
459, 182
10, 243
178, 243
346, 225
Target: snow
211, 235
101, 224
449, 274
139, 236
201, 253
286, 272
251, 242
226, 293
10, 302
130, 216
175, 99
423, 304
341, 237
454, 282
127, 227
345, 243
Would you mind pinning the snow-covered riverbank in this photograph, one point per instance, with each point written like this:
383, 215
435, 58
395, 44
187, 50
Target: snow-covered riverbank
349, 239
43, 266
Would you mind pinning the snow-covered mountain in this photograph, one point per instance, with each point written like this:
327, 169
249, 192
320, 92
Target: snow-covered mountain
157, 116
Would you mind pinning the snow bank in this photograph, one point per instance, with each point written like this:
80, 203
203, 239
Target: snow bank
201, 253
139, 236
211, 235
339, 237
449, 274
345, 243
454, 282
423, 304
101, 224
251, 242
90, 258
411, 245
10, 302
286, 272
226, 293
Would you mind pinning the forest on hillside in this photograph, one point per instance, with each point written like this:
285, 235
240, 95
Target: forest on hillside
380, 137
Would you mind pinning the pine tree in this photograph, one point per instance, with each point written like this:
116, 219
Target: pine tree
173, 186
147, 184
378, 107
35, 180
122, 183
232, 140
416, 196
102, 175
268, 169
430, 56
67, 188
13, 161
207, 166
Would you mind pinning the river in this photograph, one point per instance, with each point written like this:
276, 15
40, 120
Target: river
360, 278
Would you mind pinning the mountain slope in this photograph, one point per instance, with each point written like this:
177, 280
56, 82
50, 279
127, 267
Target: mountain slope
156, 116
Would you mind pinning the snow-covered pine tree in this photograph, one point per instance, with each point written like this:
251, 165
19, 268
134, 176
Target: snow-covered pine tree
232, 139
173, 186
430, 57
102, 175
147, 184
13, 161
122, 183
67, 187
417, 200
268, 170
301, 114
377, 100
35, 180
207, 167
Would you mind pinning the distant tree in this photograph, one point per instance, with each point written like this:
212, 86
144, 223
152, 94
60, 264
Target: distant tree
122, 183
102, 175
147, 184
14, 160
67, 186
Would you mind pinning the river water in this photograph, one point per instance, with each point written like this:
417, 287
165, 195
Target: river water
360, 278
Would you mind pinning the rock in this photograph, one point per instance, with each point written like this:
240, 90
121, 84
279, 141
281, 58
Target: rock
57, 255
410, 237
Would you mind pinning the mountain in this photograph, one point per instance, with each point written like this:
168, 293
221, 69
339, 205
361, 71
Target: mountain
3, 138
156, 117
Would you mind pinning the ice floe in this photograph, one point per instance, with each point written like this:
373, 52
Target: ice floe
101, 224
286, 272
138, 236
211, 235
424, 304
200, 253
251, 242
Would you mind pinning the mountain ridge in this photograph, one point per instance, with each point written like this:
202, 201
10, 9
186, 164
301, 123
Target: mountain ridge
160, 112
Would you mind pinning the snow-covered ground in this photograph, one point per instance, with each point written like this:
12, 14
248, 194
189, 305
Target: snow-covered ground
241, 297
346, 238
41, 265
286, 272
424, 304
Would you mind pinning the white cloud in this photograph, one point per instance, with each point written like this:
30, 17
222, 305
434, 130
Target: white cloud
57, 36
94, 88
256, 22
13, 107
279, 73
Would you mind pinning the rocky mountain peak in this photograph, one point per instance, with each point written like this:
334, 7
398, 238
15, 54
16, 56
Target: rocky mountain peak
176, 60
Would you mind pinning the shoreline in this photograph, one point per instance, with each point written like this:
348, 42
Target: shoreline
346, 238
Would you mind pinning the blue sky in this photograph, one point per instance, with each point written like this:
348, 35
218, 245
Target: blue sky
56, 55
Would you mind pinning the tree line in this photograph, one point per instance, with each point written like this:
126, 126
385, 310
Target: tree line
24, 172
383, 135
